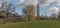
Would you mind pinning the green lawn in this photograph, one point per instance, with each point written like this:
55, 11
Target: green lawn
33, 24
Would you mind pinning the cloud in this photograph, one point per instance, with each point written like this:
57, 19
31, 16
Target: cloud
6, 0
52, 10
28, 2
34, 2
45, 2
1, 1
58, 2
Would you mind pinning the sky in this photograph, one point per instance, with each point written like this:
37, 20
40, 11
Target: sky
46, 6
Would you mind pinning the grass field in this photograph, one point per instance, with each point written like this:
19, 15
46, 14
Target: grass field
33, 24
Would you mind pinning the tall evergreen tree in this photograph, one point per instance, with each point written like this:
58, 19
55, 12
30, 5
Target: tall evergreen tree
38, 15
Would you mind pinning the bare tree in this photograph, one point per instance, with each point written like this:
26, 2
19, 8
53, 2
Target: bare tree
29, 12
